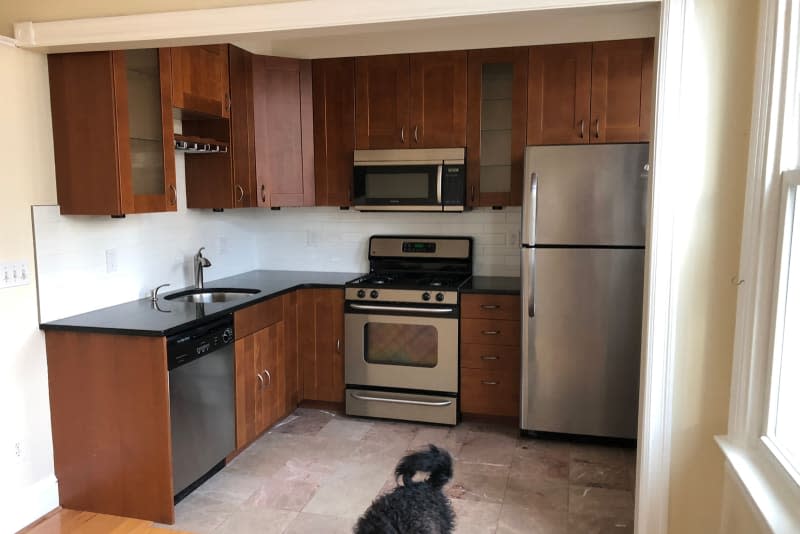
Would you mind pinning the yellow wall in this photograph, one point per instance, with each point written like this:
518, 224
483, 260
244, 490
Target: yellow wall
12, 11
27, 177
717, 98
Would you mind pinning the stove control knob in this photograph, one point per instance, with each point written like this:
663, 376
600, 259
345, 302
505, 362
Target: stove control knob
361, 293
439, 297
426, 296
227, 335
373, 293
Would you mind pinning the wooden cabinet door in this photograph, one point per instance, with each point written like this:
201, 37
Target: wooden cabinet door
497, 88
382, 93
249, 387
292, 376
120, 104
322, 350
200, 79
271, 363
334, 129
284, 146
242, 150
438, 100
622, 73
559, 81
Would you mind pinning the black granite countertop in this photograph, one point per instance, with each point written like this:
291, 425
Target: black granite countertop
142, 318
509, 285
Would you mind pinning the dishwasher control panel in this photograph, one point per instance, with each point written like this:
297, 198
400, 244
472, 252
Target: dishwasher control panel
196, 342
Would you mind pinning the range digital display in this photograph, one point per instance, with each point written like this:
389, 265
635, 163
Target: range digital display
419, 246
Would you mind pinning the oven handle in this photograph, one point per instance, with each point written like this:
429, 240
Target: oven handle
400, 309
401, 401
439, 184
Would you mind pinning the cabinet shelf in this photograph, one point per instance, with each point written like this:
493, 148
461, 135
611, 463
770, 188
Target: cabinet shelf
199, 145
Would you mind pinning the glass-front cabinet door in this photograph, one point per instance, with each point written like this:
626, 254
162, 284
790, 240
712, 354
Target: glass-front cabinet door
496, 112
145, 102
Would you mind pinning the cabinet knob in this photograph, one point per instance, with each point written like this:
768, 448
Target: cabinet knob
241, 192
416, 132
263, 193
489, 382
597, 128
338, 345
403, 134
473, 194
269, 377
260, 379
487, 358
174, 198
490, 306
490, 332
583, 124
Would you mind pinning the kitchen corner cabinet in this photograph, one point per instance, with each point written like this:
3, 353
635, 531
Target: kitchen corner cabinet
590, 92
490, 354
322, 352
109, 410
333, 82
411, 101
497, 83
200, 79
112, 132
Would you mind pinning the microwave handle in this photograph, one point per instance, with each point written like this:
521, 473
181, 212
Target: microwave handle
439, 184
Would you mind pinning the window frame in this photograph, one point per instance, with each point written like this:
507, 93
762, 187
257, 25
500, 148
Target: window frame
773, 489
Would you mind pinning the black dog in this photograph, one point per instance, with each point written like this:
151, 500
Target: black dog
415, 507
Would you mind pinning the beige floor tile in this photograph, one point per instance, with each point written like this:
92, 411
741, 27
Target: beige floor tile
522, 520
591, 524
349, 491
230, 486
488, 448
544, 461
475, 517
478, 482
304, 422
257, 520
536, 495
600, 502
602, 467
201, 514
344, 429
450, 439
306, 523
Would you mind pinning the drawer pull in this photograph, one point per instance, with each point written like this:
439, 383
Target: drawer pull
489, 382
486, 358
490, 332
490, 306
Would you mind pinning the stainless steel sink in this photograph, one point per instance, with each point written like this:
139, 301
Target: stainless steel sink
212, 294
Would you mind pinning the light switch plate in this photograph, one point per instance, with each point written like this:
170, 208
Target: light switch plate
14, 274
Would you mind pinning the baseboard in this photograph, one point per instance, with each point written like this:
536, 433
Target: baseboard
28, 505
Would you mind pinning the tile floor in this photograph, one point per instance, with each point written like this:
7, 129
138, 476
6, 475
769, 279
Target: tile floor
317, 471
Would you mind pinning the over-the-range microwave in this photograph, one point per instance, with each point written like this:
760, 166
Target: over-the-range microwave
412, 179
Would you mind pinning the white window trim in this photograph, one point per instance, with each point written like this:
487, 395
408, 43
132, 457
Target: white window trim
772, 491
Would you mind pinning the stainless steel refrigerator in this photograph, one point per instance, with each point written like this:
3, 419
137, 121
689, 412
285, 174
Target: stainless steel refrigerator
583, 234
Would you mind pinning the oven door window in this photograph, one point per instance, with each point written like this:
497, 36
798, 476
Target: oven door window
413, 345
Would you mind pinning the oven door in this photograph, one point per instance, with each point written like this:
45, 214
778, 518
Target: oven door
398, 187
402, 347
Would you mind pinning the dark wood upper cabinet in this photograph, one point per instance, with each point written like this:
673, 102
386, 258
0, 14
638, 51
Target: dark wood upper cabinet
590, 92
333, 82
200, 79
496, 117
283, 131
622, 74
112, 132
382, 94
438, 110
559, 85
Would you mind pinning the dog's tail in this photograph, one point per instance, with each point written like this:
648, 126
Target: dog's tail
434, 460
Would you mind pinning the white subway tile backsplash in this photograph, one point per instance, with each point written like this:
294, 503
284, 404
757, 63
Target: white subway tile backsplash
157, 248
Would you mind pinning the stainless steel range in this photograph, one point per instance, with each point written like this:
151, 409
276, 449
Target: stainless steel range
401, 326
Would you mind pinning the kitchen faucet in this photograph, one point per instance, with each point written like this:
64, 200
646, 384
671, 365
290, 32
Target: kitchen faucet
200, 262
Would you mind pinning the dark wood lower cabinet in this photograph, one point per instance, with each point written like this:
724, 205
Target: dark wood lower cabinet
322, 345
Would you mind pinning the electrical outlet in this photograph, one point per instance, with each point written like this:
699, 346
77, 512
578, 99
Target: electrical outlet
18, 456
14, 274
111, 260
513, 239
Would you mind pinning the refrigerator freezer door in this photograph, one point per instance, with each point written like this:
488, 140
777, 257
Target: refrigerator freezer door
581, 347
588, 194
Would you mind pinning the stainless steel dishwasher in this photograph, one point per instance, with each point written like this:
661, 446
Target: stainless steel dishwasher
201, 402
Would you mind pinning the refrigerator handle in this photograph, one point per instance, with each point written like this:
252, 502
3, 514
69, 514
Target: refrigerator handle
531, 305
529, 209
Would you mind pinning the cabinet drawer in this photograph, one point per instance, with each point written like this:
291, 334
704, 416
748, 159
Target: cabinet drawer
490, 332
491, 357
253, 318
489, 392
490, 307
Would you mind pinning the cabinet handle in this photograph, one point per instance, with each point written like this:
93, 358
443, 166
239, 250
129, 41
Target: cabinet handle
473, 194
338, 345
583, 123
487, 358
263, 193
403, 134
174, 197
490, 306
489, 382
597, 128
490, 332
241, 192
269, 376
416, 132
260, 379
228, 101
